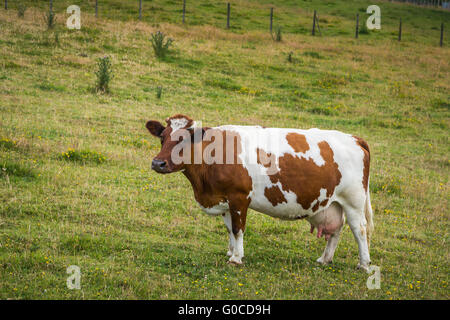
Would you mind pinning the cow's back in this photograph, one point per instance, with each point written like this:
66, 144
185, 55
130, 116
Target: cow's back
296, 173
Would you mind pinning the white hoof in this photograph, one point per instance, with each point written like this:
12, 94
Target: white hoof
363, 266
321, 260
235, 260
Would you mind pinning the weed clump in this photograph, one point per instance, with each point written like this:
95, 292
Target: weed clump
159, 90
328, 110
252, 92
160, 44
278, 36
56, 38
7, 143
390, 185
364, 29
438, 104
20, 170
289, 58
332, 81
104, 74
313, 54
21, 8
82, 156
50, 19
223, 83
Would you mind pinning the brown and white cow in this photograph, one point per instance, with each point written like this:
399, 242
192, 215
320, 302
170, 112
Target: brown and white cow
319, 175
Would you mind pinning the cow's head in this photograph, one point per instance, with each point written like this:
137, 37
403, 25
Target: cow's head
176, 138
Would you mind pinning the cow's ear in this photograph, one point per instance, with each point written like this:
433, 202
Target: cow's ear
192, 130
155, 128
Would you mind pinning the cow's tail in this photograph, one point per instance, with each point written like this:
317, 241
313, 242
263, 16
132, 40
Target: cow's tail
366, 177
369, 216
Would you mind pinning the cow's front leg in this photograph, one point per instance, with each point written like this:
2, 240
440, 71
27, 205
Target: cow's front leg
227, 219
238, 213
238, 228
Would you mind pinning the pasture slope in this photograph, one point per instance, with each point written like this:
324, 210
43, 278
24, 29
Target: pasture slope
75, 181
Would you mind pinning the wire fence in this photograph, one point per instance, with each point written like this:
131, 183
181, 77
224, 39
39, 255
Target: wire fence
315, 18
434, 3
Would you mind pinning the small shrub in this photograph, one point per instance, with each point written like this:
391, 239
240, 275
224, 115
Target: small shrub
21, 8
160, 44
104, 74
56, 38
290, 56
158, 92
363, 29
50, 19
82, 156
294, 59
278, 36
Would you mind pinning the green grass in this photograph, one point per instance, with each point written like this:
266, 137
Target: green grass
139, 235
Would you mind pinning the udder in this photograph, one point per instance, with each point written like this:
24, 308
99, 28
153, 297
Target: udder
327, 221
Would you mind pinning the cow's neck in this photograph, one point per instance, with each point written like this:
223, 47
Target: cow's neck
203, 190
196, 176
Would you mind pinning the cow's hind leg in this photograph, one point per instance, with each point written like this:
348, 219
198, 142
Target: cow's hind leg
227, 219
334, 220
328, 253
329, 223
358, 224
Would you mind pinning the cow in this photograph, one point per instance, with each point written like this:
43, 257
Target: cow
321, 176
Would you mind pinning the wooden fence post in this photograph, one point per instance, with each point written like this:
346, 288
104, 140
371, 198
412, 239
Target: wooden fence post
228, 15
271, 19
6, 4
314, 23
140, 9
51, 5
442, 35
96, 8
184, 9
357, 26
400, 30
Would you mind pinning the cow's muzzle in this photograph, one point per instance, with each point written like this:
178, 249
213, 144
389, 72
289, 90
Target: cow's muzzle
160, 166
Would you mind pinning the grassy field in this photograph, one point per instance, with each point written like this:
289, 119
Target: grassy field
75, 181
